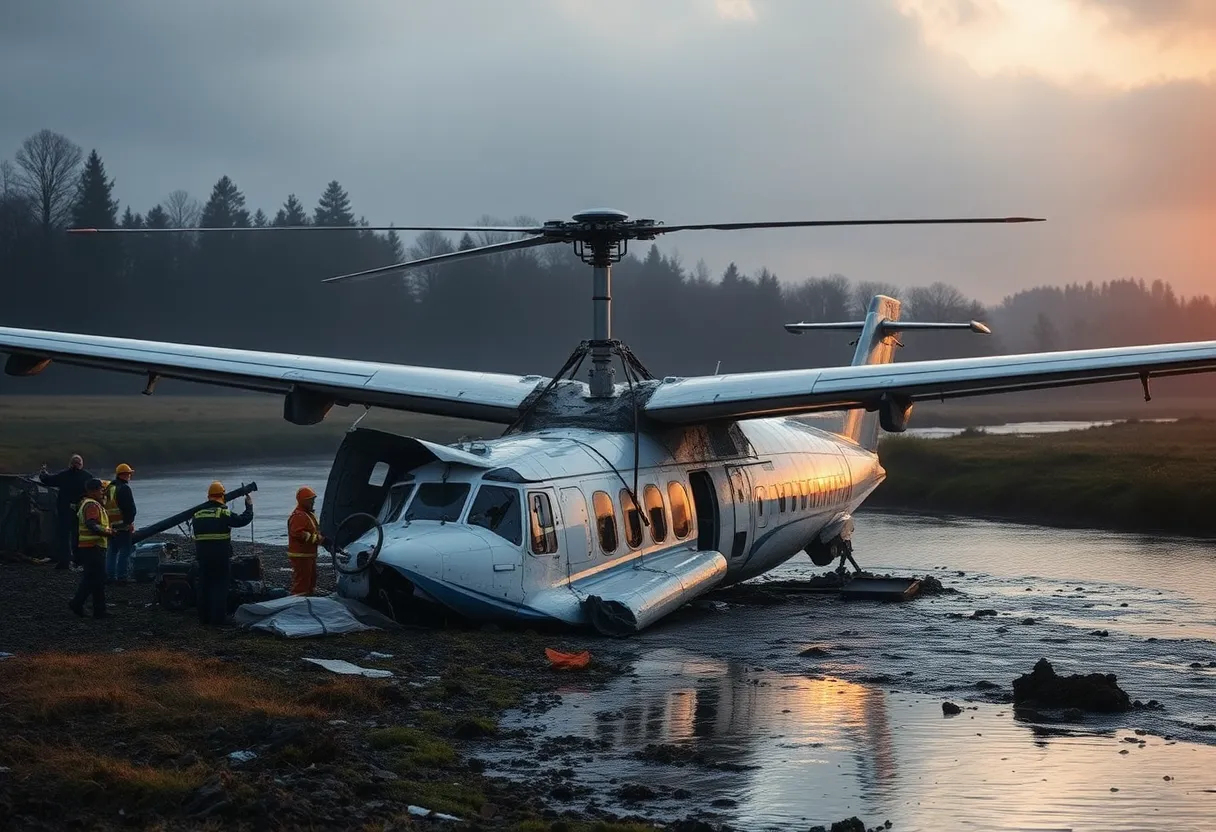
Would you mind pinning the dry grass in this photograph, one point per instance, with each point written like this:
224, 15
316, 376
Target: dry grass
88, 775
156, 686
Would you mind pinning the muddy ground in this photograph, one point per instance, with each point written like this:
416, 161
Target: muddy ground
131, 722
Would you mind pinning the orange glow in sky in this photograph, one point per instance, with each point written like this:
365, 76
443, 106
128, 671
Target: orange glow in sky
1067, 41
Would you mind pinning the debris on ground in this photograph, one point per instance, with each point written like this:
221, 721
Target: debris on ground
567, 661
950, 709
348, 669
1088, 692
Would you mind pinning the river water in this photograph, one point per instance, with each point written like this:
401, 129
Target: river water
785, 740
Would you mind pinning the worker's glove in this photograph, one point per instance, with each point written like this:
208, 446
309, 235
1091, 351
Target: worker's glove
248, 501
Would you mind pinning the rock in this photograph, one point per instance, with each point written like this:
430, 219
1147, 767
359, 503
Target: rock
853, 824
1092, 692
724, 803
983, 613
950, 709
208, 799
635, 792
814, 651
984, 684
1100, 633
1029, 621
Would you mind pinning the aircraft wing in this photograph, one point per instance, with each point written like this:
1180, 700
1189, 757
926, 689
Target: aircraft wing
790, 392
311, 383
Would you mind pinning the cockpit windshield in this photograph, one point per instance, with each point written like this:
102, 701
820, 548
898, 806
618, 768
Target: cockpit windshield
395, 501
438, 501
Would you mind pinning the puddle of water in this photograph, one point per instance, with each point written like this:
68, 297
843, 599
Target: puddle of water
782, 750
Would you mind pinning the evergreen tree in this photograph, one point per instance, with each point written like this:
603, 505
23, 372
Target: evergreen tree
259, 219
95, 205
157, 217
291, 214
226, 207
131, 221
334, 207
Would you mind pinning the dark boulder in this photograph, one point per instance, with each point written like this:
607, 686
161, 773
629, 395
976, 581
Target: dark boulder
1089, 692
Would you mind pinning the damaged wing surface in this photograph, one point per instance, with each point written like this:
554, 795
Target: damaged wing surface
311, 383
790, 392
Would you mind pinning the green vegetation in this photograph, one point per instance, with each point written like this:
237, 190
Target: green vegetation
162, 431
1136, 476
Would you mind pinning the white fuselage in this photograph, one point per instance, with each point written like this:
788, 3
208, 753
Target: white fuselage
544, 519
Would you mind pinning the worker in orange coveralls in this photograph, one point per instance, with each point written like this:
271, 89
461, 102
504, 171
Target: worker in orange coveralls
303, 537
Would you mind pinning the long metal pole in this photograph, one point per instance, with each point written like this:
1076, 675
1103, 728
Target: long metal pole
602, 381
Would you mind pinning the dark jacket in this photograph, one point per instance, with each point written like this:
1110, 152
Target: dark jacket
70, 482
212, 529
126, 503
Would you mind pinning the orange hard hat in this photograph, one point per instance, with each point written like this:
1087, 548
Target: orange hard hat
124, 468
216, 489
305, 493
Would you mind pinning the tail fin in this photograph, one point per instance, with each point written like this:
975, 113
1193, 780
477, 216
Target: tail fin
876, 345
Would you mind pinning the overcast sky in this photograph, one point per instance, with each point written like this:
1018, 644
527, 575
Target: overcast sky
1097, 114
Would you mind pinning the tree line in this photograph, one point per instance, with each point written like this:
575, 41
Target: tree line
516, 312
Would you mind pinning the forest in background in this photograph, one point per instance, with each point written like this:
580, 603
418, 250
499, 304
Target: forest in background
519, 312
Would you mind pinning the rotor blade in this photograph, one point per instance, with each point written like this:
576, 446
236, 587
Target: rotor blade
500, 228
734, 226
511, 245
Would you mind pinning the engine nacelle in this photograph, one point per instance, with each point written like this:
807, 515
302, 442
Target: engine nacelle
894, 412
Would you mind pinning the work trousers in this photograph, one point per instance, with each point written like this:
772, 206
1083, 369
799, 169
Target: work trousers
65, 543
303, 575
214, 572
92, 579
118, 556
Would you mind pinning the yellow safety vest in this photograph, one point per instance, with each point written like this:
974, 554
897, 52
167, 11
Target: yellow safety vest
211, 523
87, 538
111, 505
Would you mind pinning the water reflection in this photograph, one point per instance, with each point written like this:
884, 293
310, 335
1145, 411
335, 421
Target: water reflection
779, 750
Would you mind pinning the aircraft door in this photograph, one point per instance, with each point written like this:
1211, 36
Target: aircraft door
576, 523
741, 499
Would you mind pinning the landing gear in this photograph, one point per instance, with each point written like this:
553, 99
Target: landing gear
823, 553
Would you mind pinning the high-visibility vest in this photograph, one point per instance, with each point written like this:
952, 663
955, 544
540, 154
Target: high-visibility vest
87, 538
111, 506
303, 534
211, 523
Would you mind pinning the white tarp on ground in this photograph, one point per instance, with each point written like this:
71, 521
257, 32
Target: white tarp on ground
299, 616
347, 669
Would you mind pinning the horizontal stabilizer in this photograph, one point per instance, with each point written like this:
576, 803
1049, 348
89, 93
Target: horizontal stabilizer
887, 327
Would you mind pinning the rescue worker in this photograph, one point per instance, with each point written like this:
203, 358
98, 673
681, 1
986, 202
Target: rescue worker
93, 535
119, 504
70, 486
303, 536
213, 527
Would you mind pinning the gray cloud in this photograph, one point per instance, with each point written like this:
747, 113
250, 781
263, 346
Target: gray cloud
446, 111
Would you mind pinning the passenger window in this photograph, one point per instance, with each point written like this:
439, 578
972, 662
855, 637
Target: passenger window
633, 520
544, 530
397, 497
605, 521
681, 518
653, 498
803, 489
780, 498
760, 495
497, 508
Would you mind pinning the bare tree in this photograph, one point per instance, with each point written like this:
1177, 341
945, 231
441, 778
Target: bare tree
864, 290
183, 210
938, 302
8, 179
50, 164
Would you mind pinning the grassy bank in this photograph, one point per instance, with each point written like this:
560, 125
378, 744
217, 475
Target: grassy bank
1135, 476
163, 431
130, 723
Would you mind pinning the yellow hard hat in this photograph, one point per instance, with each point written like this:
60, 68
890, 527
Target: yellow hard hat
216, 489
305, 493
124, 468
